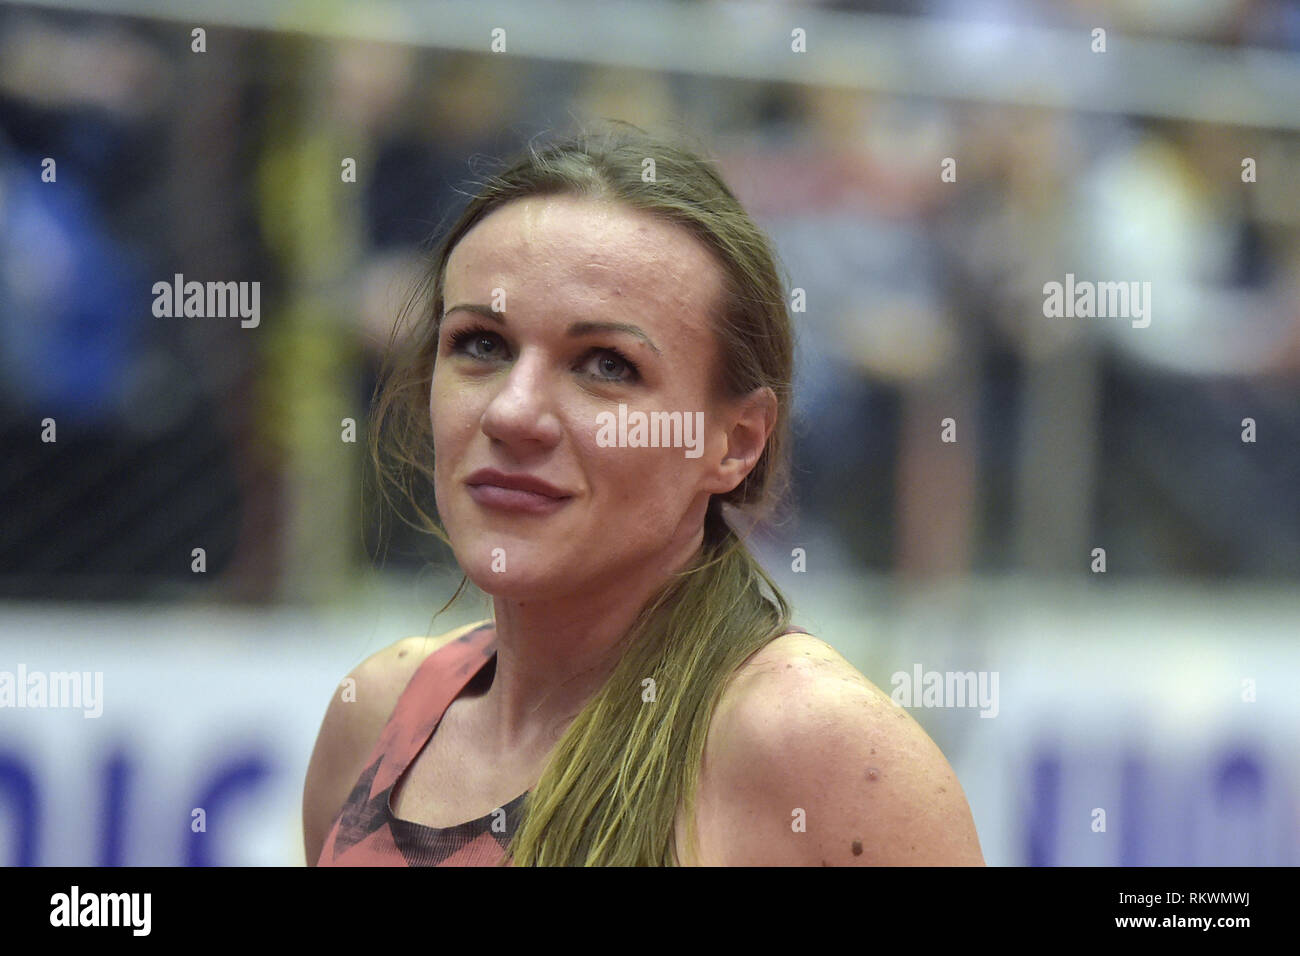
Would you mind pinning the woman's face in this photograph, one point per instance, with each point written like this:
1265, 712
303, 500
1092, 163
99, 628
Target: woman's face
558, 309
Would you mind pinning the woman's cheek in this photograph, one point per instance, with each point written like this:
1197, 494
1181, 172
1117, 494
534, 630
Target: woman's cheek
648, 477
453, 420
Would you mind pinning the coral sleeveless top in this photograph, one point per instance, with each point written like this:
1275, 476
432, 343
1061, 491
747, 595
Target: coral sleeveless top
366, 833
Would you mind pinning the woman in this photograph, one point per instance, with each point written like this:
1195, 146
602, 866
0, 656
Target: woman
637, 698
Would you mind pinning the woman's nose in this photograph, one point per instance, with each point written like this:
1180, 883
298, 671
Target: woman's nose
523, 408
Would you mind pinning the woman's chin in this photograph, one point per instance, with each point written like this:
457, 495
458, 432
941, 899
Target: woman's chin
512, 585
515, 572
501, 565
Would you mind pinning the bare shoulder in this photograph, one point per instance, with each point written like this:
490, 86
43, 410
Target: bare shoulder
380, 679
799, 657
359, 708
809, 763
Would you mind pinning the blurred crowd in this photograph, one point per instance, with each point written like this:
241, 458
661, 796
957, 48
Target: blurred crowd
924, 300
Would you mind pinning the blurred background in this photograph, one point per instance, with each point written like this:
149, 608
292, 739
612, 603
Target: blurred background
924, 168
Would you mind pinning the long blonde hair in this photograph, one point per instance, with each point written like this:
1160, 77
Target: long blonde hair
611, 788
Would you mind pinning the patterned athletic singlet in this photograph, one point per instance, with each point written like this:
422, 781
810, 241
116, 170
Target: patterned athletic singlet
366, 832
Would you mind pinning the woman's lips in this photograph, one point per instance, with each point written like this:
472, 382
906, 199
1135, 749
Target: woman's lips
516, 500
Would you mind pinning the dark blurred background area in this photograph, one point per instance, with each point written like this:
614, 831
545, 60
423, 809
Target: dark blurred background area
924, 298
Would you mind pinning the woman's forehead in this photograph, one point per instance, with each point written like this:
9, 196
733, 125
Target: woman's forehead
584, 247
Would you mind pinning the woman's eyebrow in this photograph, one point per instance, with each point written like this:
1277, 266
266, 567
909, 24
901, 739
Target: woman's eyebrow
576, 329
586, 328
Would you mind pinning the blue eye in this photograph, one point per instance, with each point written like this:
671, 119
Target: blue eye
481, 343
478, 335
616, 357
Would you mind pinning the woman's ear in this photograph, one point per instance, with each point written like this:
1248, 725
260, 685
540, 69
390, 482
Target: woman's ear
750, 421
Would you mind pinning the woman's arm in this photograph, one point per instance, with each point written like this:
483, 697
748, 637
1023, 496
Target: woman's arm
352, 725
809, 764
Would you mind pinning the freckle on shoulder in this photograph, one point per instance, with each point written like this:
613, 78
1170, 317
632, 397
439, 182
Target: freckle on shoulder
797, 655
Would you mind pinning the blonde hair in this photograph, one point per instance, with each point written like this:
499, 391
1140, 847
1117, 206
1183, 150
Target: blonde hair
611, 788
